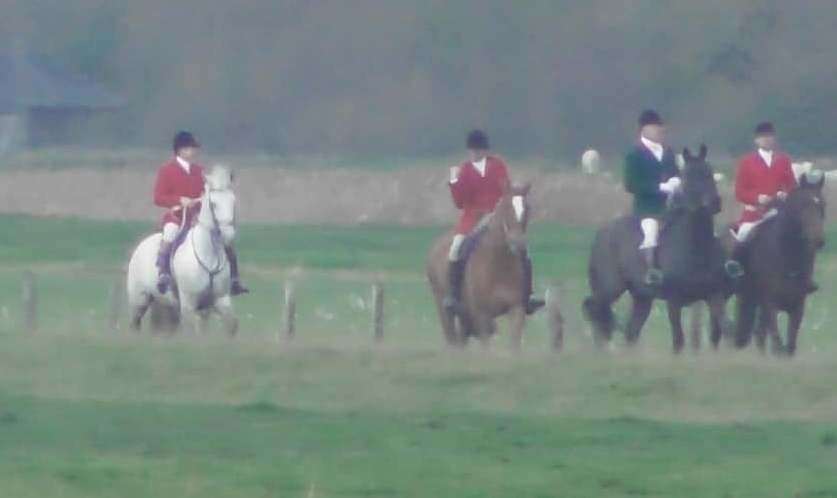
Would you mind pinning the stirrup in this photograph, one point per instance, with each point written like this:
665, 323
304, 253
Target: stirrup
654, 277
236, 289
163, 283
452, 304
533, 304
734, 269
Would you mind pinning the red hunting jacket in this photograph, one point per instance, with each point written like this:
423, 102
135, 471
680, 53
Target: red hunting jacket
756, 178
173, 182
476, 195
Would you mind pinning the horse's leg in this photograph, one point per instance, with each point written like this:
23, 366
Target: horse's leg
745, 317
718, 317
193, 320
640, 310
675, 318
768, 323
794, 323
224, 307
598, 309
696, 325
761, 331
517, 321
448, 321
468, 327
483, 327
138, 310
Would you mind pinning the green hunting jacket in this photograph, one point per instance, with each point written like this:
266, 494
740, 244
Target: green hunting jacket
643, 176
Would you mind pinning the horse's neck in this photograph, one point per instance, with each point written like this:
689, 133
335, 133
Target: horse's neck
694, 234
788, 240
494, 240
201, 236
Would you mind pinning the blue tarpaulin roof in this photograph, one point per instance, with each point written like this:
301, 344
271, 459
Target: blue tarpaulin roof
28, 81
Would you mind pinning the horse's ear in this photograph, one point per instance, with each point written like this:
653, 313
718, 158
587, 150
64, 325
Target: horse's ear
703, 152
687, 154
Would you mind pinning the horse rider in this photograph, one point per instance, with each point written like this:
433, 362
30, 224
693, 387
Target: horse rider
476, 186
764, 176
178, 188
651, 176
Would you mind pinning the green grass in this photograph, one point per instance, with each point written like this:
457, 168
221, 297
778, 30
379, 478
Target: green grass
85, 411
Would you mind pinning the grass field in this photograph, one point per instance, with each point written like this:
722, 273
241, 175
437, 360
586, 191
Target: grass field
85, 411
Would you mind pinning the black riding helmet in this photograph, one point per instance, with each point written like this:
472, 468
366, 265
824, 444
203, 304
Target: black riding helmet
477, 140
184, 139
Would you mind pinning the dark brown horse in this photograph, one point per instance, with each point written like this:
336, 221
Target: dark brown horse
493, 274
690, 256
779, 263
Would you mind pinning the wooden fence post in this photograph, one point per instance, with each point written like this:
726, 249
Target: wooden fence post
289, 313
29, 296
116, 297
378, 312
555, 319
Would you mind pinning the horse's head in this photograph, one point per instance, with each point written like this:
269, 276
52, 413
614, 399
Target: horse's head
700, 191
218, 204
512, 213
806, 206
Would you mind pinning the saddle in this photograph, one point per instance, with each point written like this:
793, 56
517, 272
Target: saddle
472, 240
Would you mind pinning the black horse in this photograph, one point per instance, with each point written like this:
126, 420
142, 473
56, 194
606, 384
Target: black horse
779, 263
690, 256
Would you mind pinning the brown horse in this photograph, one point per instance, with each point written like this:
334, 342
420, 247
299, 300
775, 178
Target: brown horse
493, 274
779, 262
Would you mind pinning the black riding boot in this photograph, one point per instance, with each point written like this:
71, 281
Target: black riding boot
530, 303
236, 288
456, 274
653, 275
164, 267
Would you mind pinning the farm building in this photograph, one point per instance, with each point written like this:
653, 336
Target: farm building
41, 103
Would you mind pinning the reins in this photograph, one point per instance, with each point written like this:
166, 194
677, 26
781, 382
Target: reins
215, 234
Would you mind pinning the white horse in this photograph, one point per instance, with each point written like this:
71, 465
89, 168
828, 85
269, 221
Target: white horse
200, 269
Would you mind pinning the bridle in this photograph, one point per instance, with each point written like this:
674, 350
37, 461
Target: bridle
215, 238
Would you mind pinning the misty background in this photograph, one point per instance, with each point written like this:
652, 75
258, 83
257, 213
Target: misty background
376, 78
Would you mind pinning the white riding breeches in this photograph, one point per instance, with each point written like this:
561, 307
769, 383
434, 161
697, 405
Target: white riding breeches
744, 231
650, 233
455, 246
170, 232
746, 228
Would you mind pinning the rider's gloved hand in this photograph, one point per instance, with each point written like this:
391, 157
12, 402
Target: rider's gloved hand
781, 195
672, 186
454, 174
764, 199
